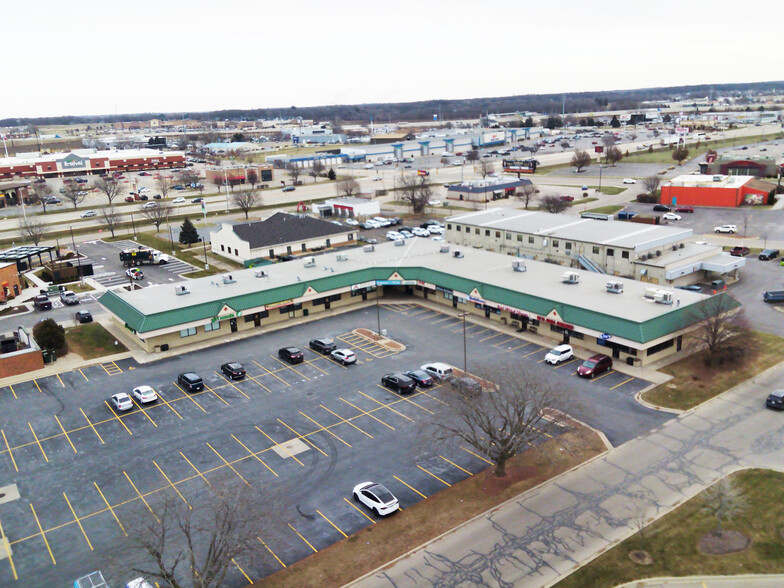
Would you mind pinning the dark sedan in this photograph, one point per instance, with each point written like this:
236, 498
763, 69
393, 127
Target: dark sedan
398, 382
421, 377
291, 355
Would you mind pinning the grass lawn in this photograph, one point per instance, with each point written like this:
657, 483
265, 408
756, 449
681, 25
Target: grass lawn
694, 383
610, 209
79, 287
609, 190
672, 540
378, 544
91, 341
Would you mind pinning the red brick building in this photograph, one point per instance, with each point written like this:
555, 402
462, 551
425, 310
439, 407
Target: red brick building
238, 174
10, 285
717, 190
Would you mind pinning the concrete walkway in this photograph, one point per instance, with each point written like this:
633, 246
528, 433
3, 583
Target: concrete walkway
744, 581
541, 536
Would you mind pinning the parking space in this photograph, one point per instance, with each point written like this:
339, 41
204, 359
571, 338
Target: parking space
309, 431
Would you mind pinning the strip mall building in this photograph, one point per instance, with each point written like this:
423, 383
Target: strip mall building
89, 161
636, 324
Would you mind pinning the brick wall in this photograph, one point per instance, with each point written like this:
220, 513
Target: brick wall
20, 362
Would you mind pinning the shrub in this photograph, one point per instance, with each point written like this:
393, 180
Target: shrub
647, 198
50, 336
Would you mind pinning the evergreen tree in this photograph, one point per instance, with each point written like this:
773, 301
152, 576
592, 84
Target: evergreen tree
615, 123
188, 233
332, 175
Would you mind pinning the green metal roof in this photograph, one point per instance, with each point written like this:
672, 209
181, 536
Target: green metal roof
640, 332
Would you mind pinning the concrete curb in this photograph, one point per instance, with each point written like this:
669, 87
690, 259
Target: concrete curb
773, 579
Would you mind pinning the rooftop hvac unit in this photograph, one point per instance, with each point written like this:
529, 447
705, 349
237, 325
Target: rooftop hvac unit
310, 262
260, 273
342, 257
457, 253
228, 279
181, 290
368, 248
400, 243
675, 248
615, 287
650, 292
570, 278
518, 265
716, 178
663, 297
445, 248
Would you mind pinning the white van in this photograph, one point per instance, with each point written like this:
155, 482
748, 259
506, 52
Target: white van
440, 371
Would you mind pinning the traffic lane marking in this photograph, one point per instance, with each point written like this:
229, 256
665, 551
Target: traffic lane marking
607, 373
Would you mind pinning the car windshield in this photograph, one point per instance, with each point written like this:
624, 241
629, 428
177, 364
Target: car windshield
589, 363
420, 374
235, 366
381, 493
555, 352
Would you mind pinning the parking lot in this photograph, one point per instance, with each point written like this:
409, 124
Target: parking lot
311, 431
109, 270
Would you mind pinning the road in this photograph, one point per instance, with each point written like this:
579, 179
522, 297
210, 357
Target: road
542, 535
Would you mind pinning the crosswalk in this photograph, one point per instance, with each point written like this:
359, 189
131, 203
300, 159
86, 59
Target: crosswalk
116, 278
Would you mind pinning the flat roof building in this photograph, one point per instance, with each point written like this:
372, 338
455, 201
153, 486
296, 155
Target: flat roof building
716, 190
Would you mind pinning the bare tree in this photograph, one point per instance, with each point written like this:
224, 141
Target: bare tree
164, 184
486, 167
564, 145
651, 183
416, 191
294, 171
110, 219
246, 199
614, 155
218, 181
316, 170
32, 229
655, 133
608, 140
633, 137
188, 177
347, 187
553, 204
157, 213
74, 194
182, 545
110, 187
722, 330
500, 422
680, 154
725, 501
43, 192
252, 178
581, 159
525, 192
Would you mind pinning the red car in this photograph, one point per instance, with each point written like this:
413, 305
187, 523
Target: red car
684, 209
593, 366
567, 198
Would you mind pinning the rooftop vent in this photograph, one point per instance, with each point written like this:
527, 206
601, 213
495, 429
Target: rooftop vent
181, 290
518, 265
457, 253
444, 248
228, 279
715, 179
342, 257
368, 248
260, 273
400, 243
614, 287
570, 278
310, 262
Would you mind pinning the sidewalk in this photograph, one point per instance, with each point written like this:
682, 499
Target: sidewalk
745, 581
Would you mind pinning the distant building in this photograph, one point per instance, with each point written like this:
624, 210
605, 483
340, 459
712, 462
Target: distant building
10, 286
347, 207
761, 167
238, 174
716, 190
485, 190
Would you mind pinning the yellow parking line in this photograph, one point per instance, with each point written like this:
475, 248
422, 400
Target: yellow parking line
218, 396
111, 510
301, 537
520, 346
446, 318
271, 373
304, 438
387, 406
36, 384
144, 411
477, 456
291, 455
12, 392
85, 377
8, 551
241, 571
409, 486
289, 366
493, 336
622, 383
436, 477
65, 433
92, 427
261, 461
271, 552
331, 523
37, 441
408, 400
560, 365
259, 383
171, 484
232, 385
231, 467
347, 421
432, 397
366, 413
139, 494
592, 380
78, 522
166, 402
311, 364
61, 380
115, 415
195, 469
325, 429
457, 466
40, 528
8, 447
536, 351
188, 396
354, 506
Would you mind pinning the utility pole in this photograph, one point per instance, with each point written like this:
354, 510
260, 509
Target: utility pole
78, 259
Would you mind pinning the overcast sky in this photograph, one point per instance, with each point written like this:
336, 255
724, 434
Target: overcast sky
99, 57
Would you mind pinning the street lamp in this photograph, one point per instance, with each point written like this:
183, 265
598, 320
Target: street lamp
463, 316
378, 312
226, 181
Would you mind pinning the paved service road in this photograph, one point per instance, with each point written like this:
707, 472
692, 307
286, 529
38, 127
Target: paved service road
541, 535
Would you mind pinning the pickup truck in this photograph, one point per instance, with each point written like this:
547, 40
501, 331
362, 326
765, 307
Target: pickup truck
773, 296
739, 251
42, 302
69, 298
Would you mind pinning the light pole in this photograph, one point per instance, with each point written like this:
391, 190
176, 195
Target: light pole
463, 316
378, 312
600, 177
226, 181
78, 259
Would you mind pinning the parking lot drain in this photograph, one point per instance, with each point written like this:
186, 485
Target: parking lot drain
290, 448
9, 493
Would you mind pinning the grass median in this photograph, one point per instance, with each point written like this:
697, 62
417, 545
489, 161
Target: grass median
393, 537
91, 341
693, 382
672, 540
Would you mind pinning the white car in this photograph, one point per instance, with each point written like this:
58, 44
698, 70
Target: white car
437, 238
559, 354
629, 181
372, 224
143, 189
179, 200
671, 216
149, 205
726, 229
145, 394
377, 178
368, 166
383, 222
434, 203
88, 213
376, 497
122, 401
420, 232
344, 356
351, 222
394, 236
435, 230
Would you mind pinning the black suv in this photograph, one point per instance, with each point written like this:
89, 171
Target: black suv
83, 316
233, 370
291, 355
776, 400
323, 345
768, 254
661, 208
398, 382
190, 381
